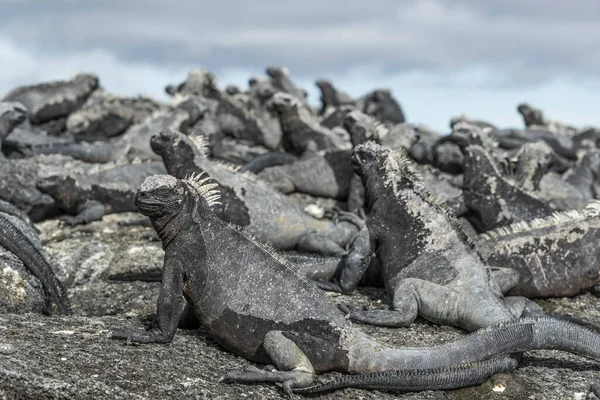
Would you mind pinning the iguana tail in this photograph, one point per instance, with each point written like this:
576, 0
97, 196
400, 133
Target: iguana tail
150, 275
452, 377
20, 244
557, 334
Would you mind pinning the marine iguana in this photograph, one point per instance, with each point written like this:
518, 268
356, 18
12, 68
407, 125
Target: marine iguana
90, 197
11, 115
280, 79
331, 98
17, 186
329, 173
429, 265
301, 132
555, 256
534, 119
381, 104
105, 115
19, 236
248, 201
492, 200
257, 307
52, 100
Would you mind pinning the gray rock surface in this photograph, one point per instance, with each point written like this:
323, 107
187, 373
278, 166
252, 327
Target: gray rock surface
72, 358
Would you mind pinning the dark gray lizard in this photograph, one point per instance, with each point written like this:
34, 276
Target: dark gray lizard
20, 237
429, 266
90, 197
248, 201
257, 307
555, 256
12, 114
105, 115
302, 132
492, 200
329, 173
52, 100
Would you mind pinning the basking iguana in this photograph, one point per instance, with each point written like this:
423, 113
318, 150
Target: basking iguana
428, 264
89, 197
555, 256
257, 307
248, 201
328, 174
52, 100
19, 236
12, 114
105, 115
302, 132
492, 200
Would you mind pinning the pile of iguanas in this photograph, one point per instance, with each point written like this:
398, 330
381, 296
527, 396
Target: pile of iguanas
262, 201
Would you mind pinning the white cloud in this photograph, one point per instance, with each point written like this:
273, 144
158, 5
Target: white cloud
427, 97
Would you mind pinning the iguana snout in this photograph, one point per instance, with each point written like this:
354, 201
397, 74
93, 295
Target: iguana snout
158, 195
161, 141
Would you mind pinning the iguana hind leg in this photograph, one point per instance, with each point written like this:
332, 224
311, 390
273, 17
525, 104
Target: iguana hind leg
294, 368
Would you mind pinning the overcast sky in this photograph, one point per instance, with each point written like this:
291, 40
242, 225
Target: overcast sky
440, 58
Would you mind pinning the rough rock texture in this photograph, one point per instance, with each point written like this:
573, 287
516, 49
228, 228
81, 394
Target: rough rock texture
72, 358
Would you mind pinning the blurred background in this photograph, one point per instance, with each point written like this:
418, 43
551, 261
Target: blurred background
439, 58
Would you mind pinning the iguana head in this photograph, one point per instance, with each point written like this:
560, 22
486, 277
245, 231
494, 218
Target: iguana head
177, 149
12, 113
531, 116
372, 161
363, 127
281, 102
163, 196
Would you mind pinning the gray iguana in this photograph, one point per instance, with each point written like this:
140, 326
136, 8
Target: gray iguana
248, 201
555, 256
52, 100
428, 264
301, 131
257, 307
105, 115
491, 199
89, 197
12, 114
19, 236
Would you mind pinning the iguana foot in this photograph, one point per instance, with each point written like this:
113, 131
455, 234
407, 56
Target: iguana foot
289, 379
150, 336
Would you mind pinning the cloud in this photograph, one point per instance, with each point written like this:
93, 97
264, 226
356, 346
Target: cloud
428, 97
531, 41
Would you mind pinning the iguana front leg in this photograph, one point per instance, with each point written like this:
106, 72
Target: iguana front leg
88, 212
168, 309
294, 369
354, 265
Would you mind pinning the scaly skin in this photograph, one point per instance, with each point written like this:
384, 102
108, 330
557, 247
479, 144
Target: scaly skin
52, 100
492, 200
259, 308
89, 197
555, 256
301, 132
250, 202
21, 238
